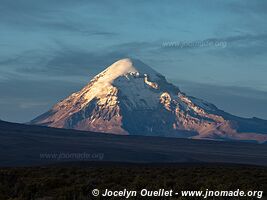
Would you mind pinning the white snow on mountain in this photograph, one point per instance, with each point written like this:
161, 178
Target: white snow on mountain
130, 97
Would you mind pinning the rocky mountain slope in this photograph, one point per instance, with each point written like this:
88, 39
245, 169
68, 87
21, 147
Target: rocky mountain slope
131, 98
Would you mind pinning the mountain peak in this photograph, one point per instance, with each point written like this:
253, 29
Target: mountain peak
127, 66
129, 97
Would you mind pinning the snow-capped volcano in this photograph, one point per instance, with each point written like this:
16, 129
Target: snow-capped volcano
129, 97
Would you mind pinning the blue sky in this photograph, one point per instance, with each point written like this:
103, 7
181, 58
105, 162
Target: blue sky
50, 49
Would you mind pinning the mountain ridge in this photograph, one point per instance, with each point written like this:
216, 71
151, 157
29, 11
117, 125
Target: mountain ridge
131, 98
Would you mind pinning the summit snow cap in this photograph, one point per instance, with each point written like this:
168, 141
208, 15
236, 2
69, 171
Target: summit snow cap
127, 66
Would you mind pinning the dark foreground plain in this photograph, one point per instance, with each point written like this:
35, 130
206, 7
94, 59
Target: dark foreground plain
39, 163
77, 180
23, 145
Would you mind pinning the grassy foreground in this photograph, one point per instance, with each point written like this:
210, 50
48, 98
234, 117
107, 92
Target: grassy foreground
75, 182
